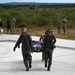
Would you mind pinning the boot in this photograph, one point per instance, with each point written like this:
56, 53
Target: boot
27, 69
30, 65
45, 65
48, 69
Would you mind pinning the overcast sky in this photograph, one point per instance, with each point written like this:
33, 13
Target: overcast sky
42, 1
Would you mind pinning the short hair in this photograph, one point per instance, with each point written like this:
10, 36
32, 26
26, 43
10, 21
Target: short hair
49, 30
24, 29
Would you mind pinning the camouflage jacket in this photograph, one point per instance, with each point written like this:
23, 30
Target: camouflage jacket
26, 43
49, 42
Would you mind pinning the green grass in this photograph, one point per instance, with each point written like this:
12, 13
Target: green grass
37, 22
39, 31
41, 17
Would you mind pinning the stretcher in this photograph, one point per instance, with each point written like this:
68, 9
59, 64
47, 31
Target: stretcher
37, 46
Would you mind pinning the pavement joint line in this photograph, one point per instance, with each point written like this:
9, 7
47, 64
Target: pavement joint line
70, 48
57, 46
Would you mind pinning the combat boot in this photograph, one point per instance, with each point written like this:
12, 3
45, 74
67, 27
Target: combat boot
45, 65
48, 69
27, 69
30, 65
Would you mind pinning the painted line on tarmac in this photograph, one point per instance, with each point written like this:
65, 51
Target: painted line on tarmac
69, 48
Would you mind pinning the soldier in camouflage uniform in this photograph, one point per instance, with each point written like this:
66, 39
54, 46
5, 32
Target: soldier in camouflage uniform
42, 38
48, 46
26, 41
64, 21
1, 26
12, 24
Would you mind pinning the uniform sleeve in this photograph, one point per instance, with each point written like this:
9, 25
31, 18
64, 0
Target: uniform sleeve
30, 40
18, 42
44, 42
54, 40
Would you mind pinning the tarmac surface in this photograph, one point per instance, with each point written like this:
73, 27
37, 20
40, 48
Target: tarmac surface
11, 63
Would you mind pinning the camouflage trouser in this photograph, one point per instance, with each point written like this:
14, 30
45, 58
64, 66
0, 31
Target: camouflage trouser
27, 59
48, 59
59, 30
64, 28
12, 28
1, 30
43, 56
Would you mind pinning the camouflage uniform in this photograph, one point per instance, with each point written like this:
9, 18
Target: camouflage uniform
12, 25
59, 27
1, 25
42, 38
48, 46
64, 21
26, 49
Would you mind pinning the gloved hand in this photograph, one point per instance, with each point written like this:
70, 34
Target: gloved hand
54, 46
14, 49
18, 46
51, 51
31, 51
